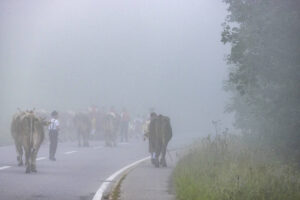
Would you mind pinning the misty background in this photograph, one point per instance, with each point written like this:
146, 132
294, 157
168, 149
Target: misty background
68, 55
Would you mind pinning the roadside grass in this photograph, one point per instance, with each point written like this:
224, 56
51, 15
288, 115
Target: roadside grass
116, 191
225, 168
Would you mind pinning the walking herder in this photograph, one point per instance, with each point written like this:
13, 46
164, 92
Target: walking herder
53, 135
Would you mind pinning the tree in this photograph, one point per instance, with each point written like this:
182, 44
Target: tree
265, 74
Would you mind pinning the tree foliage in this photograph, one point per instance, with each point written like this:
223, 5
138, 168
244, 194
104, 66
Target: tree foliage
264, 36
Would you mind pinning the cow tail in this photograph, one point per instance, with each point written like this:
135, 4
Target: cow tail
31, 131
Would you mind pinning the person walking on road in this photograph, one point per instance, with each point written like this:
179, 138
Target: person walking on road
125, 118
151, 134
53, 135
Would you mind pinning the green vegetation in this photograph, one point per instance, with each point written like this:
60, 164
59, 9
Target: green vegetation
264, 83
116, 191
225, 168
264, 75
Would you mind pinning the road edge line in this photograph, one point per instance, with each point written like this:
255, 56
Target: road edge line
107, 182
5, 167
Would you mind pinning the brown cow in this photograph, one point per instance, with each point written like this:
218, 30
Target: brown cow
83, 127
110, 129
28, 132
160, 133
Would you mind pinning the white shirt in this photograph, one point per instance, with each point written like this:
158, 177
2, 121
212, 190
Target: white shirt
54, 124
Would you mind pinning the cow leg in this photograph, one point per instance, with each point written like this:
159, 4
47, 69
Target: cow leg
156, 162
152, 149
126, 132
163, 162
33, 159
155, 158
27, 159
106, 138
114, 139
122, 131
85, 140
79, 139
20, 156
109, 139
19, 150
158, 148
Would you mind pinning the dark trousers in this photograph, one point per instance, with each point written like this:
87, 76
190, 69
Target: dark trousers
53, 138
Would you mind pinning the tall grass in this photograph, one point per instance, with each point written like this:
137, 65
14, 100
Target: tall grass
225, 168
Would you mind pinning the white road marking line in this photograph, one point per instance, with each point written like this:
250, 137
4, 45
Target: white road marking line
70, 152
105, 184
5, 167
41, 158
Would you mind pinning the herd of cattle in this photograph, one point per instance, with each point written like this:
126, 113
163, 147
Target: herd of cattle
28, 132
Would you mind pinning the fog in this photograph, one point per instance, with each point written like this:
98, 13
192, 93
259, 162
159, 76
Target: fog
68, 55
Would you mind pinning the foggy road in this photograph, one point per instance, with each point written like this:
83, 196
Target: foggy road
213, 85
77, 173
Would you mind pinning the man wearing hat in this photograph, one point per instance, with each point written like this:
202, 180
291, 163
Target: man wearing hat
53, 135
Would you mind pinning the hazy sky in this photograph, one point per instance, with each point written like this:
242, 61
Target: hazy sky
69, 54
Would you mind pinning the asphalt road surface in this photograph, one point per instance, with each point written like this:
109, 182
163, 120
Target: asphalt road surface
76, 175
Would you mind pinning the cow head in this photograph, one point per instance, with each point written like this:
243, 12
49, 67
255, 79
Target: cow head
44, 122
